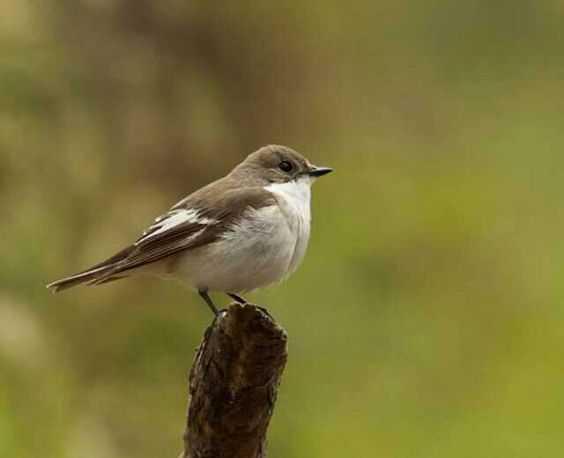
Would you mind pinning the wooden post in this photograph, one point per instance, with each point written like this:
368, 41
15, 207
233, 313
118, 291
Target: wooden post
233, 385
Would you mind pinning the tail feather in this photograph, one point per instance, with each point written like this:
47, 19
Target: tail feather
98, 274
74, 280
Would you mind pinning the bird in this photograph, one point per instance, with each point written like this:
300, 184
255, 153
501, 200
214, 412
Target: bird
242, 232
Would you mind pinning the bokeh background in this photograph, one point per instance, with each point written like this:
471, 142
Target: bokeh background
427, 319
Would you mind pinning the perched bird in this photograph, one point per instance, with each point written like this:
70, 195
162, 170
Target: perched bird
244, 231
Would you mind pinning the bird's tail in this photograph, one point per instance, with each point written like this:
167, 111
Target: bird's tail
96, 275
88, 276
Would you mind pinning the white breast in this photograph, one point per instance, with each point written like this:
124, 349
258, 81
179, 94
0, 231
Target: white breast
294, 199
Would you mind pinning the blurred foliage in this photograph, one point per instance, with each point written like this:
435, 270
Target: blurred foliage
427, 318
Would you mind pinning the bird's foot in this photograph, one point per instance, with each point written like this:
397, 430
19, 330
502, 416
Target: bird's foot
237, 298
204, 294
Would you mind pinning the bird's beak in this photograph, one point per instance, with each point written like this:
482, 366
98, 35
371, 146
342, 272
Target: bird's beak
315, 171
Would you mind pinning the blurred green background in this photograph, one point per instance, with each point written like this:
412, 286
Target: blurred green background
427, 318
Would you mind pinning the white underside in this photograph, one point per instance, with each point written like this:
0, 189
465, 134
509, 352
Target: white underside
262, 249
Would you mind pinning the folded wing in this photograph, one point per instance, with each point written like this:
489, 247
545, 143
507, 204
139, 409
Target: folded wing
194, 222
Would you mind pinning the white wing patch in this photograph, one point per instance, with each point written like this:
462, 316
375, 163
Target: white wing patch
173, 219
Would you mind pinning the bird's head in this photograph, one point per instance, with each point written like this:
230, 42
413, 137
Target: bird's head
278, 164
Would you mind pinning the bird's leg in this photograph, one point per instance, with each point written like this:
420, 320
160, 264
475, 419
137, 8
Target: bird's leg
237, 298
205, 296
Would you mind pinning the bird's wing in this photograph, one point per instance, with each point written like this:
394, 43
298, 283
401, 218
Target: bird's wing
196, 221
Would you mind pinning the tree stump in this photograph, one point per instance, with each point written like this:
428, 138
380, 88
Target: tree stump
233, 385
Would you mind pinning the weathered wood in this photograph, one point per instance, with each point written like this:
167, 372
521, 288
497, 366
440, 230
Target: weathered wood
233, 385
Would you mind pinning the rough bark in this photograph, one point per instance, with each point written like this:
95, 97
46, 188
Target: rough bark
233, 385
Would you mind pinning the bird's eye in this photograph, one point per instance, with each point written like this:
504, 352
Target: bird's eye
285, 166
